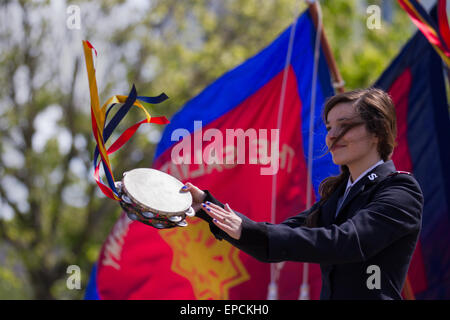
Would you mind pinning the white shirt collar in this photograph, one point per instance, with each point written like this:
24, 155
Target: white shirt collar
350, 184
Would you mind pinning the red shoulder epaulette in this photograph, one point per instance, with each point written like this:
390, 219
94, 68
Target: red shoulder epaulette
398, 172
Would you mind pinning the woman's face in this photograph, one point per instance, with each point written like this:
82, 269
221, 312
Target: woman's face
357, 144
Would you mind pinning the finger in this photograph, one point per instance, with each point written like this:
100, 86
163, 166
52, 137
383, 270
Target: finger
192, 187
218, 210
225, 219
213, 213
224, 211
227, 207
223, 226
188, 186
197, 194
212, 205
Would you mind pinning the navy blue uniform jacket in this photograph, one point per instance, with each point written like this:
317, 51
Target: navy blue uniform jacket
378, 224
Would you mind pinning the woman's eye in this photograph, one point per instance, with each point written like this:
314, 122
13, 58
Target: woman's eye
328, 128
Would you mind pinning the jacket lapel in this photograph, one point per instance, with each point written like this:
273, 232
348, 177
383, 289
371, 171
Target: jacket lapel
329, 207
371, 178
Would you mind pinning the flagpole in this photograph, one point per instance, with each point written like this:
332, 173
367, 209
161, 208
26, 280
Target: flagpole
338, 82
275, 269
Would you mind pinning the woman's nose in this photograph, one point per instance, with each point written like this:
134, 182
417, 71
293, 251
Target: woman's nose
332, 133
332, 136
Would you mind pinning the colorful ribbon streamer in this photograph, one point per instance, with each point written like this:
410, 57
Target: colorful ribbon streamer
103, 131
437, 34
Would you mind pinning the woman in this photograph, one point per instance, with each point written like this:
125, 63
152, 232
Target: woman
364, 229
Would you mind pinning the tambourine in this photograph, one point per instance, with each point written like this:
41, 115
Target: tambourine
154, 198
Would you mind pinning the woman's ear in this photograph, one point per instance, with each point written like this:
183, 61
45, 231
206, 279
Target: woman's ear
375, 139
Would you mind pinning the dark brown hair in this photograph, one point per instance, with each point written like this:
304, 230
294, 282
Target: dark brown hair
377, 112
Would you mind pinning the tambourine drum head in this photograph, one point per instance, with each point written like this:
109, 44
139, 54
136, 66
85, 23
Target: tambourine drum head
157, 191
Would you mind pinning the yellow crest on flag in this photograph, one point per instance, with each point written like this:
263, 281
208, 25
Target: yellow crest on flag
211, 266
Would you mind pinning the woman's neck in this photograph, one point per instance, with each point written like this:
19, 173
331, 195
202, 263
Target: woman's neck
357, 168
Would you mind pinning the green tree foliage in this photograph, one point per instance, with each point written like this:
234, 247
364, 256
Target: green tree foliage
362, 53
52, 213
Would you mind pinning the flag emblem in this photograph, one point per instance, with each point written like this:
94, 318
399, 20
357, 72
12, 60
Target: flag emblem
212, 275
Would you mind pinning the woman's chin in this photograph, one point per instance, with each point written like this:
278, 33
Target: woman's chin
339, 161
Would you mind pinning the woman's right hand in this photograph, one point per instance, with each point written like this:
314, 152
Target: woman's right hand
198, 196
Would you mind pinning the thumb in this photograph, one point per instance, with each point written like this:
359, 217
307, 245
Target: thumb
228, 208
187, 186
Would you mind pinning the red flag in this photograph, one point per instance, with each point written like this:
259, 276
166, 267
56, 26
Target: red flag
416, 83
189, 263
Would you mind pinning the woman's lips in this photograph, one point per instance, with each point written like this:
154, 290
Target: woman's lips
338, 146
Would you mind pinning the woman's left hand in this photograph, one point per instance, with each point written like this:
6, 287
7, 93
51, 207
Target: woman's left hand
225, 219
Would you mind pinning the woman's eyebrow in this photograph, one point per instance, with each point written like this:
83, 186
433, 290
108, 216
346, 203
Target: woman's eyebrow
340, 119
